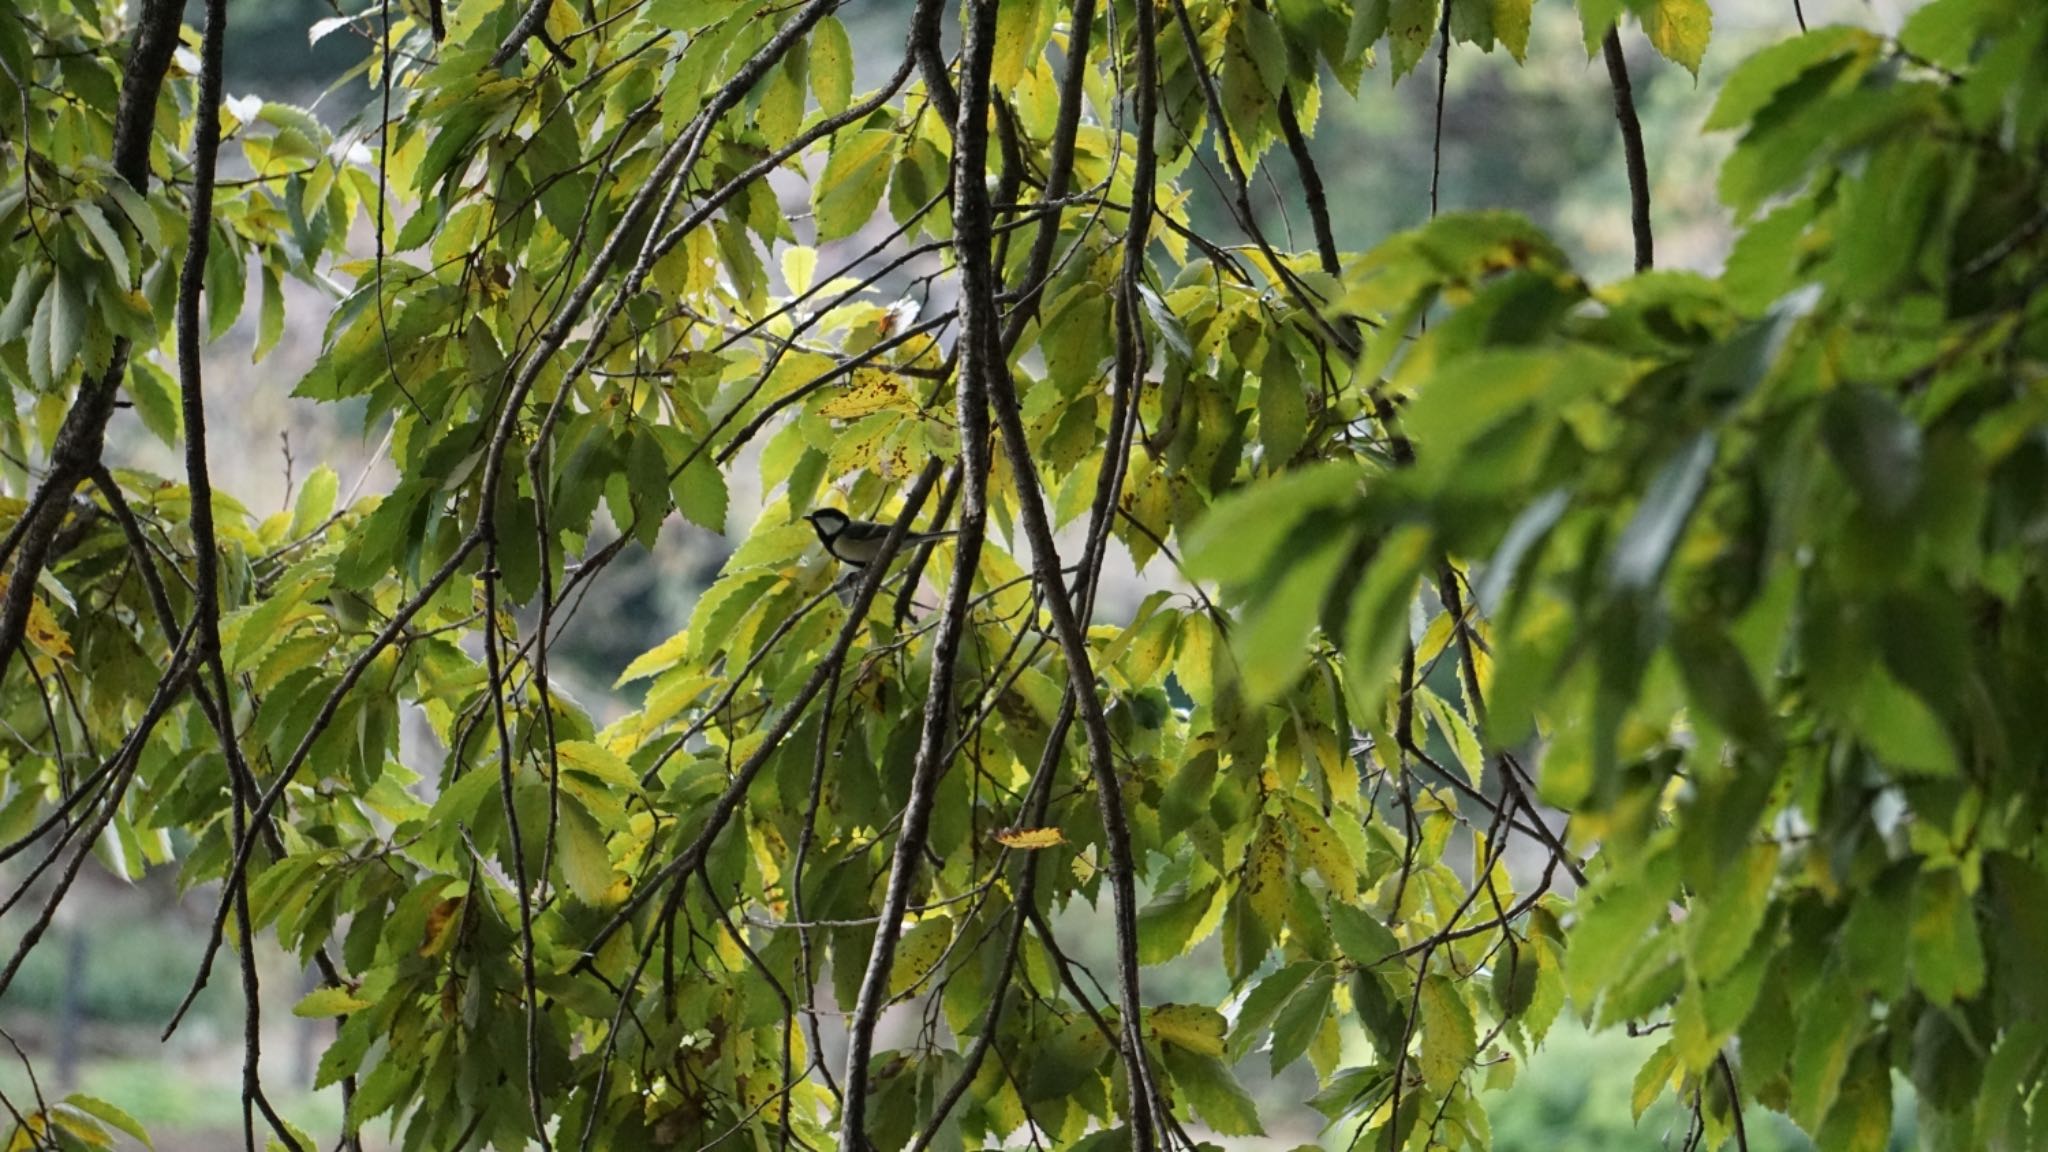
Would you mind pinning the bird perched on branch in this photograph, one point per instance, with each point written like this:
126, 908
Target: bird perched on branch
856, 542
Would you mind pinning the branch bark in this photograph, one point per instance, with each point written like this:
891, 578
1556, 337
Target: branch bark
1631, 148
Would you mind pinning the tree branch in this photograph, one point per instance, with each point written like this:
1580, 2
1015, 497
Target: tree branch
980, 361
1631, 147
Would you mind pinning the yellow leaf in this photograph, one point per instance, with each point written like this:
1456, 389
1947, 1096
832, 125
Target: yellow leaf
440, 927
860, 445
1195, 1027
329, 1002
1030, 839
45, 633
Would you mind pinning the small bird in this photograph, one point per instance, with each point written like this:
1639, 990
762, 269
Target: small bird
856, 542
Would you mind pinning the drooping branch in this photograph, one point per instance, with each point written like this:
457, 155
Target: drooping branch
81, 437
677, 157
205, 623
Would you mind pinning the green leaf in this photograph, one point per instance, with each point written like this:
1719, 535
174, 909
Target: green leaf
1625, 907
1175, 920
1765, 73
1384, 1014
1861, 1119
1075, 337
1948, 956
1283, 409
586, 862
315, 503
1718, 682
1299, 1021
1217, 1097
1644, 548
598, 762
101, 1110
1515, 976
1829, 1023
1360, 935
1411, 28
1376, 629
29, 285
1484, 22
1727, 919
1449, 1042
700, 493
1244, 531
1877, 447
1071, 1058
155, 396
68, 321
1900, 727
1273, 644
108, 241
856, 174
1268, 880
831, 66
227, 279
1946, 32
1021, 28
1596, 19
270, 317
1258, 1010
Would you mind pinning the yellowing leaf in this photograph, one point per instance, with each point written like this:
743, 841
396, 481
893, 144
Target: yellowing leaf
1195, 1027
329, 1002
1679, 29
919, 952
1030, 839
1266, 876
440, 927
45, 633
831, 67
1325, 851
1448, 1043
655, 659
1652, 1079
856, 174
586, 862
860, 446
872, 390
597, 761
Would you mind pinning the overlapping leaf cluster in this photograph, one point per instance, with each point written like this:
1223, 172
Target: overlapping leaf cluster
1759, 570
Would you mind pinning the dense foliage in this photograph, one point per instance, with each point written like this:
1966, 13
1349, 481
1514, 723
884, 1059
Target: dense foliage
1743, 574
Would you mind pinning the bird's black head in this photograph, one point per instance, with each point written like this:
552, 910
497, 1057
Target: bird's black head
828, 522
